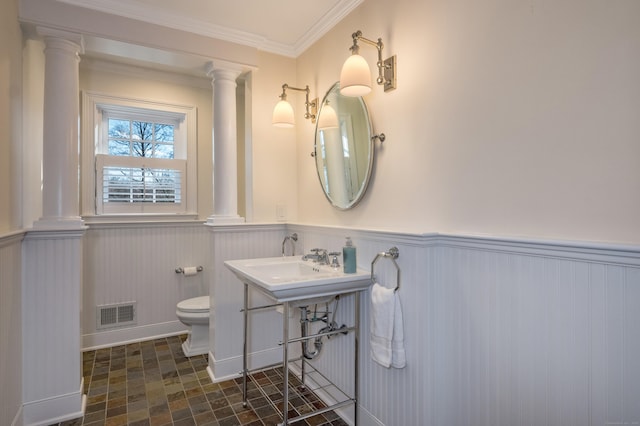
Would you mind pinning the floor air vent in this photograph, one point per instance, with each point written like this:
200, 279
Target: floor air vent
119, 315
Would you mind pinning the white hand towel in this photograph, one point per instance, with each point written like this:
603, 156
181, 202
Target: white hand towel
387, 334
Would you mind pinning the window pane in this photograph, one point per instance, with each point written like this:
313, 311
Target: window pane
143, 149
164, 151
119, 128
141, 130
119, 148
164, 132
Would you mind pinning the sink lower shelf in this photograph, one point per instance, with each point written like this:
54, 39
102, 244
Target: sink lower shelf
317, 396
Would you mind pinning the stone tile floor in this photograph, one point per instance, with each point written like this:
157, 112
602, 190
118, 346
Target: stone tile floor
154, 383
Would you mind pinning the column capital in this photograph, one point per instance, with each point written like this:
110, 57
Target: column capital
73, 41
223, 70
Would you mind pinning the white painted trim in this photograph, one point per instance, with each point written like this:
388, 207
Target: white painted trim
179, 78
11, 238
152, 221
54, 234
128, 335
417, 240
323, 26
366, 418
600, 252
56, 409
231, 368
159, 17
609, 253
91, 118
18, 419
244, 227
198, 26
248, 146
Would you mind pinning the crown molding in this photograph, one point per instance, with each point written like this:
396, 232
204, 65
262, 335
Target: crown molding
320, 28
158, 17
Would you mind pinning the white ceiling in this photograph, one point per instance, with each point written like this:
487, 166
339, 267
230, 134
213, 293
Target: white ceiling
285, 27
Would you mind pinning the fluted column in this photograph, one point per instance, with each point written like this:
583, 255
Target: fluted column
225, 152
60, 166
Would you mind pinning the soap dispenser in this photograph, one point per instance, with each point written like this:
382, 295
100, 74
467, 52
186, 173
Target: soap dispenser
349, 257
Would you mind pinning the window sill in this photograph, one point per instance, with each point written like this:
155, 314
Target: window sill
139, 220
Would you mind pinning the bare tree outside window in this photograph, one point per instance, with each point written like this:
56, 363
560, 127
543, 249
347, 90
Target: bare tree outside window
141, 139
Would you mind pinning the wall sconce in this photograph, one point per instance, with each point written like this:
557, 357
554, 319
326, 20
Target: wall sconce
355, 77
283, 111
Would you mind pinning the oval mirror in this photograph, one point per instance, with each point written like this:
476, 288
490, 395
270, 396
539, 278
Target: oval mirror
343, 148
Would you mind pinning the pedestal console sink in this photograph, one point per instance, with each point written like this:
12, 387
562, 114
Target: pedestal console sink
292, 281
290, 278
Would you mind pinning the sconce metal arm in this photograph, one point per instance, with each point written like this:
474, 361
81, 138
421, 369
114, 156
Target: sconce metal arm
388, 78
313, 104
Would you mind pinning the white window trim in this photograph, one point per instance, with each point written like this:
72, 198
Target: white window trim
92, 106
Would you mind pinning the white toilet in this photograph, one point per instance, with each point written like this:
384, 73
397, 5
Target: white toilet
195, 313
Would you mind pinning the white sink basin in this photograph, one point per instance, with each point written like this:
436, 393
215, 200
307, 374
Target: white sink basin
292, 279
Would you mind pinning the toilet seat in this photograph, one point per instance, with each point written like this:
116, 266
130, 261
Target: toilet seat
194, 305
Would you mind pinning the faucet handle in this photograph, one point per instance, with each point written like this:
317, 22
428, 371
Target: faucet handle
335, 263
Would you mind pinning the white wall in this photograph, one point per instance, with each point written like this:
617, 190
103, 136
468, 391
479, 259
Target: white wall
509, 118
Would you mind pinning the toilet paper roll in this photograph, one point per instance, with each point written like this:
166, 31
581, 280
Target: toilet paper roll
190, 271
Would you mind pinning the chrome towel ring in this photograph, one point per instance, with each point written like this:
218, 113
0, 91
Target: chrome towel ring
392, 254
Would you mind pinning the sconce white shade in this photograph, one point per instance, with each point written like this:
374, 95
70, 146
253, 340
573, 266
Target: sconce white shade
328, 118
283, 115
355, 77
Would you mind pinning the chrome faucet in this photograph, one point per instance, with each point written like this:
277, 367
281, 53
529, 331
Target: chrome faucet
318, 255
323, 257
292, 239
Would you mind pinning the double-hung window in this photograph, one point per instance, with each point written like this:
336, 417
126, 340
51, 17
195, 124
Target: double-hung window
141, 158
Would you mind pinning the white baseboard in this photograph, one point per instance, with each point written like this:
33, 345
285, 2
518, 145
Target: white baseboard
127, 335
18, 418
55, 409
365, 418
231, 368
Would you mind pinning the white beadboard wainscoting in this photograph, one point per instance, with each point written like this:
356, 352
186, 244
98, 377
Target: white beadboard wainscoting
244, 241
497, 331
136, 262
387, 397
51, 332
11, 328
529, 332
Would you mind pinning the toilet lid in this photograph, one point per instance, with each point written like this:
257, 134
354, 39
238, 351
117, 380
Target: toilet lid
196, 304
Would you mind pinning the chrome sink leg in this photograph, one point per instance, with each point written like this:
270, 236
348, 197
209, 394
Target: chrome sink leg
285, 363
303, 363
244, 346
356, 361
